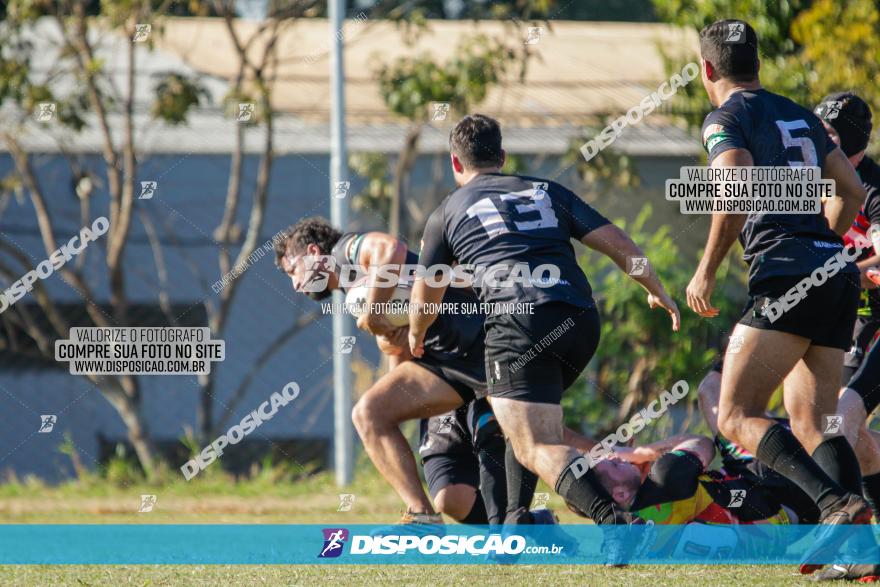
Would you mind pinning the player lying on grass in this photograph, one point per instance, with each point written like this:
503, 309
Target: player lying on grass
669, 482
803, 345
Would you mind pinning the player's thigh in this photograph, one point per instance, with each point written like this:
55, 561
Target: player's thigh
708, 395
752, 374
811, 389
409, 392
866, 381
851, 406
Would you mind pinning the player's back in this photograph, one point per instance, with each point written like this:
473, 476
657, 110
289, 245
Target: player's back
776, 132
498, 220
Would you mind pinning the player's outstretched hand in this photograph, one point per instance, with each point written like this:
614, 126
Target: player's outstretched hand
416, 344
375, 324
665, 302
699, 291
871, 278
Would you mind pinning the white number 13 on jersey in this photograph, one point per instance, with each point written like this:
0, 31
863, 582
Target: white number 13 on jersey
532, 200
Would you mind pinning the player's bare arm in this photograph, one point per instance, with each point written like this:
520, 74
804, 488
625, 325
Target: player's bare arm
615, 244
699, 445
380, 250
424, 304
850, 193
723, 233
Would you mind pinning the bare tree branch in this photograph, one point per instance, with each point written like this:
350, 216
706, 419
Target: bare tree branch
276, 345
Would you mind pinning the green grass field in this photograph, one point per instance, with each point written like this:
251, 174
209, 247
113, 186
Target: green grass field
266, 500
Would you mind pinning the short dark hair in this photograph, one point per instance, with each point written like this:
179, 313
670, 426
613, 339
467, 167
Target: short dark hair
476, 141
736, 60
308, 231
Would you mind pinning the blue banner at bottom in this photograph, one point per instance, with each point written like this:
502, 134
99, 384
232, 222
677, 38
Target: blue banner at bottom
455, 544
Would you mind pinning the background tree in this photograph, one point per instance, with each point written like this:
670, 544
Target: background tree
97, 100
807, 49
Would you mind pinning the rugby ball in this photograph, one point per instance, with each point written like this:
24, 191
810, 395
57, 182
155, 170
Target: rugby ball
395, 310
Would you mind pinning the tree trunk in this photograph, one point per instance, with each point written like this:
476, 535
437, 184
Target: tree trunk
129, 409
405, 162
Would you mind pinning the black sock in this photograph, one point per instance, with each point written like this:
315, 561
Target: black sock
490, 447
781, 451
521, 482
582, 492
477, 515
839, 461
871, 491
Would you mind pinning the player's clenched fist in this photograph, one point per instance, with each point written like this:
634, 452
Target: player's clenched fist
699, 291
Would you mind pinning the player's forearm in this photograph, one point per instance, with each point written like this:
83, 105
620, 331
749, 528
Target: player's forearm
662, 447
871, 261
395, 360
577, 441
723, 233
841, 210
615, 244
423, 307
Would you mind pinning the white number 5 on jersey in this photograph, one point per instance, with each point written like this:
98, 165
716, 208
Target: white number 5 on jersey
805, 144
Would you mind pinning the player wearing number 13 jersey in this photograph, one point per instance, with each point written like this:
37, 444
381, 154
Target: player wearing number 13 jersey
497, 220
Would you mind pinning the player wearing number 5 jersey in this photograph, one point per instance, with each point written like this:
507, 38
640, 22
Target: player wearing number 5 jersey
501, 223
797, 259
